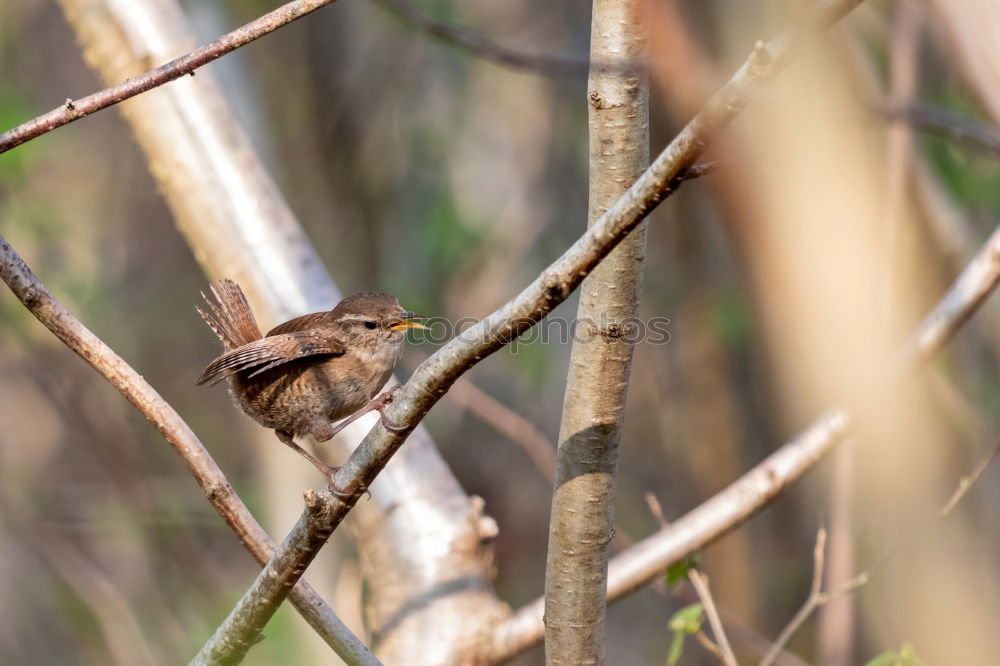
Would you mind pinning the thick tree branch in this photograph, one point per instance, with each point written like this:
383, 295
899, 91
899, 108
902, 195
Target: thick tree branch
75, 109
432, 378
756, 489
580, 528
30, 291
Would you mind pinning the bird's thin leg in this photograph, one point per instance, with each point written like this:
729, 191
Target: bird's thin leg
377, 403
327, 470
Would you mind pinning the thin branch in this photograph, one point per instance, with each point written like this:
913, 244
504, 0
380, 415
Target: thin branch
74, 109
959, 128
508, 422
755, 490
817, 598
700, 583
30, 291
709, 645
434, 377
484, 46
966, 482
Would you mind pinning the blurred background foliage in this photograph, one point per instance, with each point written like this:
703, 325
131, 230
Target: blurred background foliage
449, 182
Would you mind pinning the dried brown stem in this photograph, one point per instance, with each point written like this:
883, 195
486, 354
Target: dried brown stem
434, 377
74, 109
700, 583
977, 135
30, 291
485, 47
816, 598
508, 422
966, 482
755, 490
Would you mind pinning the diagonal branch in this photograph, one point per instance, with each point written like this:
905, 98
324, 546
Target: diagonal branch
30, 291
755, 490
432, 379
75, 109
483, 46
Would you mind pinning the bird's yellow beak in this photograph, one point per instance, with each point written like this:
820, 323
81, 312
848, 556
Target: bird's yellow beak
409, 320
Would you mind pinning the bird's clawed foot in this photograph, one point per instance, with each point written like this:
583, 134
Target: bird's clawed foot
379, 403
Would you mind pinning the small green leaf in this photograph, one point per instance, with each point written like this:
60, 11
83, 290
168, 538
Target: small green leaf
676, 648
688, 619
685, 622
907, 656
678, 571
887, 658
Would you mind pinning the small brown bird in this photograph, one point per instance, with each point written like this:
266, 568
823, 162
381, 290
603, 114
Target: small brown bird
311, 370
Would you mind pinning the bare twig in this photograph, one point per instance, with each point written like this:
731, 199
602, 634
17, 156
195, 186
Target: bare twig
700, 583
709, 645
756, 489
435, 376
959, 128
816, 598
505, 420
74, 109
968, 481
752, 640
29, 290
485, 47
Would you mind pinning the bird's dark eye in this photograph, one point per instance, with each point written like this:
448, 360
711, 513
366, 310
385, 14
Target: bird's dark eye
370, 325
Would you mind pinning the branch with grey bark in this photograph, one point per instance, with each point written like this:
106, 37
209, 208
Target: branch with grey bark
74, 109
36, 298
755, 490
433, 378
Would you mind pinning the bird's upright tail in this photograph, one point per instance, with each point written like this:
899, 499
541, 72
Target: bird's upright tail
230, 317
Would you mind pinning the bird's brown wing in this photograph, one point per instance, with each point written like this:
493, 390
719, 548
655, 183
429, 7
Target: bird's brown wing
300, 323
270, 352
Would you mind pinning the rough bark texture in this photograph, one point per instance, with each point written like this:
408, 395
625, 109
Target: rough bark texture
238, 225
601, 361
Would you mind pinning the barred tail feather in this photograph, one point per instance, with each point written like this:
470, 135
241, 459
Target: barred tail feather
230, 316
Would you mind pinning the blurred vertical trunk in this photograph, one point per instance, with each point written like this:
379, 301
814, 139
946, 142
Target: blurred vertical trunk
600, 363
428, 542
